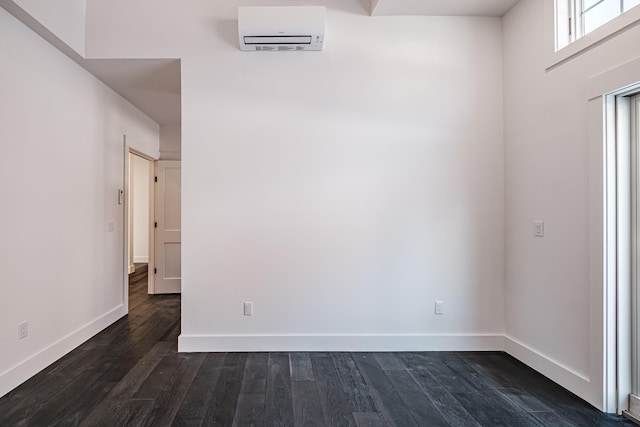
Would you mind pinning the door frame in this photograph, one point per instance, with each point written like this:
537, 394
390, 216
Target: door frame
621, 213
151, 279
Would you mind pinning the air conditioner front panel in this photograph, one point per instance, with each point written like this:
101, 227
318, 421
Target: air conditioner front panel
277, 40
281, 28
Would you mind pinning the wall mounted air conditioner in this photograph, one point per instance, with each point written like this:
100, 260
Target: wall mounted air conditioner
281, 28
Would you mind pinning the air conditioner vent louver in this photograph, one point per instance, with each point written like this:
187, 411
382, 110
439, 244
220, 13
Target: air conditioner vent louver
281, 28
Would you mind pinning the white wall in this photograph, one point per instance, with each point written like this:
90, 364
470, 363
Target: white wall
62, 164
553, 157
65, 18
170, 142
140, 208
342, 192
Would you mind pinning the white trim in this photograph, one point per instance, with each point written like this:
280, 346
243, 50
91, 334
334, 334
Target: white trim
126, 267
568, 378
18, 374
399, 342
634, 123
623, 174
151, 258
141, 259
554, 58
607, 111
151, 250
132, 269
622, 78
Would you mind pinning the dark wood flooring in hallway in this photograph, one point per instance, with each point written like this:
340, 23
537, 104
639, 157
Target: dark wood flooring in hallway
132, 375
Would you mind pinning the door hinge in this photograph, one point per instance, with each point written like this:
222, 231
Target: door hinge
155, 224
155, 179
155, 271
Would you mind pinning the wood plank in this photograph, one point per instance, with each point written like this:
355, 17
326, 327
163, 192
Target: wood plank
307, 408
222, 406
388, 362
368, 419
571, 408
193, 407
164, 373
251, 402
255, 373
490, 410
113, 406
447, 378
335, 405
388, 401
301, 369
168, 400
552, 419
279, 405
250, 410
87, 388
447, 405
524, 400
487, 399
355, 388
128, 410
419, 405
29, 397
173, 333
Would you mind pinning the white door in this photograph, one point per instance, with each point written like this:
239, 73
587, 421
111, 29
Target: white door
167, 228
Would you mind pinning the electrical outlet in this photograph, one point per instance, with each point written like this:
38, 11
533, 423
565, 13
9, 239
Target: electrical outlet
23, 330
439, 307
248, 308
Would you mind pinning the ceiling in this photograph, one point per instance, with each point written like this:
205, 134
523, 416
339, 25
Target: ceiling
441, 7
152, 85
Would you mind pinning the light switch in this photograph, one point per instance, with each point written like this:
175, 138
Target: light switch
538, 228
248, 308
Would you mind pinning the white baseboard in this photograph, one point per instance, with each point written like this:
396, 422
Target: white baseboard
141, 259
358, 343
567, 378
132, 269
18, 374
573, 381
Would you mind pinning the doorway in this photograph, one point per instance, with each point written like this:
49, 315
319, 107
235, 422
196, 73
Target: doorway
139, 205
140, 236
154, 222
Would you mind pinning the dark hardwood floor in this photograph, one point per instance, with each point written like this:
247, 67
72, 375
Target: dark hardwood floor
131, 374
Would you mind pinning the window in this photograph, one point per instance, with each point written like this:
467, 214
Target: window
575, 18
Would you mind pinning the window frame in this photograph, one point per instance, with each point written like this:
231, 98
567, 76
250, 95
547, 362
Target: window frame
576, 17
555, 57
